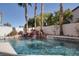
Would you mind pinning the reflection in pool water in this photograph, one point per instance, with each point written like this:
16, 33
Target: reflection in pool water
47, 47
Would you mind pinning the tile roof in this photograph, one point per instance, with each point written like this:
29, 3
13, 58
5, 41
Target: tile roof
75, 8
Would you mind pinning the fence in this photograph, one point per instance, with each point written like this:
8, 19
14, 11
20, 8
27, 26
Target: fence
71, 29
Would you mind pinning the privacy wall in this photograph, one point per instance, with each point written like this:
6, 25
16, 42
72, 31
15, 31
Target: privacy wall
71, 29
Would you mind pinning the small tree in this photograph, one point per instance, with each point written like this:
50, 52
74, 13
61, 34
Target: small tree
20, 32
13, 33
7, 24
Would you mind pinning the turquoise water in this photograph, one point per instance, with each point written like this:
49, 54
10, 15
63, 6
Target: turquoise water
45, 47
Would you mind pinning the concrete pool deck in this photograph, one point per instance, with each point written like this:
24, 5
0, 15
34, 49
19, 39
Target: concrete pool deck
6, 49
64, 38
53, 36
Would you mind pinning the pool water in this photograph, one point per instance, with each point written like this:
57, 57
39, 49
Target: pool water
45, 47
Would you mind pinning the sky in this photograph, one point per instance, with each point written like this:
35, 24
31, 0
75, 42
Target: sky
14, 14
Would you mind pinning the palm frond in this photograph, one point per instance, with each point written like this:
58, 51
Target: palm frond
20, 4
30, 4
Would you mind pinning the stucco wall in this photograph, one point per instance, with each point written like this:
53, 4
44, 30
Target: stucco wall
4, 30
71, 29
68, 29
54, 30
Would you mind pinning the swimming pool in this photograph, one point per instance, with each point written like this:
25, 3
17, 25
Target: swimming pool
45, 47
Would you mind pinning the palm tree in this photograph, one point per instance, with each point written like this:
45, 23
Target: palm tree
25, 5
42, 8
35, 8
61, 19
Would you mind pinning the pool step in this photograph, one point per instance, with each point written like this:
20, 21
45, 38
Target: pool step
6, 49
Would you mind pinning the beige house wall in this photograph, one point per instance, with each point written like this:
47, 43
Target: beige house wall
75, 15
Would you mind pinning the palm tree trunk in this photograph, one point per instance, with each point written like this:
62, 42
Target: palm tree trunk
35, 7
42, 8
61, 19
26, 16
1, 17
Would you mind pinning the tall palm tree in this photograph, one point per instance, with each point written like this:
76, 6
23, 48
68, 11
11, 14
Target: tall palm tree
35, 8
42, 9
25, 5
61, 19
